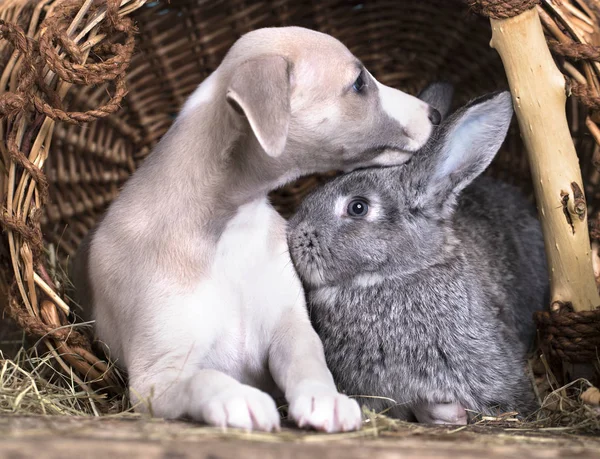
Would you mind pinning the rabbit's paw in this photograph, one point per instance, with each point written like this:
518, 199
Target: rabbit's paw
316, 405
242, 407
440, 413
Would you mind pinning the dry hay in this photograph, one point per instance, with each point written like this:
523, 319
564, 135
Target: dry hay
32, 384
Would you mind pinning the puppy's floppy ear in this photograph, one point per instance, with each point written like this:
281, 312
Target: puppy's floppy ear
439, 96
260, 87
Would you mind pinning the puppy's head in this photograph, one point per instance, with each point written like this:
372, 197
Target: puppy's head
311, 103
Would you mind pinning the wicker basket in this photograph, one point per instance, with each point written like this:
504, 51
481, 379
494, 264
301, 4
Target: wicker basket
70, 138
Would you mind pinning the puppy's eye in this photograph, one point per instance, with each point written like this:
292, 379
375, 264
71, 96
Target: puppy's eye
358, 208
359, 84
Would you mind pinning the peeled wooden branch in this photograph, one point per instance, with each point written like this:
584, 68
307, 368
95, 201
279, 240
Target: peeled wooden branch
538, 90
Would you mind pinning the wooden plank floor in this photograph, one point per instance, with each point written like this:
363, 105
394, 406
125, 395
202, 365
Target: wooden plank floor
106, 438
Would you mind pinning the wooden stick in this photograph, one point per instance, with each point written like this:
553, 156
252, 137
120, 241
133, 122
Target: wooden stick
53, 296
538, 90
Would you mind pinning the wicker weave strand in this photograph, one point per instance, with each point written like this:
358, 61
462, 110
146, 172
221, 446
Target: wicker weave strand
588, 96
575, 51
13, 103
33, 326
19, 157
31, 233
571, 336
501, 9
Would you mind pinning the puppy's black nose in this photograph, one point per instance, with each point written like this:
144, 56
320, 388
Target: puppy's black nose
434, 116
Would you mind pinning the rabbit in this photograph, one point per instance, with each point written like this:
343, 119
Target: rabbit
421, 280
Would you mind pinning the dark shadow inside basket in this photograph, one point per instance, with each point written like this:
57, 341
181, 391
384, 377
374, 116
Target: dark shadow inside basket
405, 44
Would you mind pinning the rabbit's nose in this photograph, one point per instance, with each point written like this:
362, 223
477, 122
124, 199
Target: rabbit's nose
306, 236
309, 237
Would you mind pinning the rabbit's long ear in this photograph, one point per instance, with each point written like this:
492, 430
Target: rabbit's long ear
439, 96
468, 143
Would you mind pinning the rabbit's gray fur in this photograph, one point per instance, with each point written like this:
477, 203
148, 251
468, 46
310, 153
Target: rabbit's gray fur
429, 298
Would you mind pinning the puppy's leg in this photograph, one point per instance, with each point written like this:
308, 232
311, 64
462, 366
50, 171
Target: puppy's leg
173, 364
204, 395
297, 363
440, 413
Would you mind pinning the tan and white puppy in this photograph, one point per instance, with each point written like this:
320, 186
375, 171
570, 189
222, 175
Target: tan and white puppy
189, 274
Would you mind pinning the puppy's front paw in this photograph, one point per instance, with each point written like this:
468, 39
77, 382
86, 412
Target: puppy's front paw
313, 404
242, 407
441, 413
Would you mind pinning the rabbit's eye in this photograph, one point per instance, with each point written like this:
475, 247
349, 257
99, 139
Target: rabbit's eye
358, 208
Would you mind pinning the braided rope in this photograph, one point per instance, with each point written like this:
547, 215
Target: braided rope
571, 336
501, 9
39, 55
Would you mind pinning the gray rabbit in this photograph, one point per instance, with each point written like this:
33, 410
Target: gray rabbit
421, 288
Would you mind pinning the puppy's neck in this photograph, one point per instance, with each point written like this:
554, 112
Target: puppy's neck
212, 153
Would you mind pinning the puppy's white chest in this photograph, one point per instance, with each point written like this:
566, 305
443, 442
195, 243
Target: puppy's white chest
251, 284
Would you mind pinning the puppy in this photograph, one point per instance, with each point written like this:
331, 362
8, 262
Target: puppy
188, 274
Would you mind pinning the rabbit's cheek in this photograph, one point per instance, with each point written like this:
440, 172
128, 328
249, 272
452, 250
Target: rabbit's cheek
313, 273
